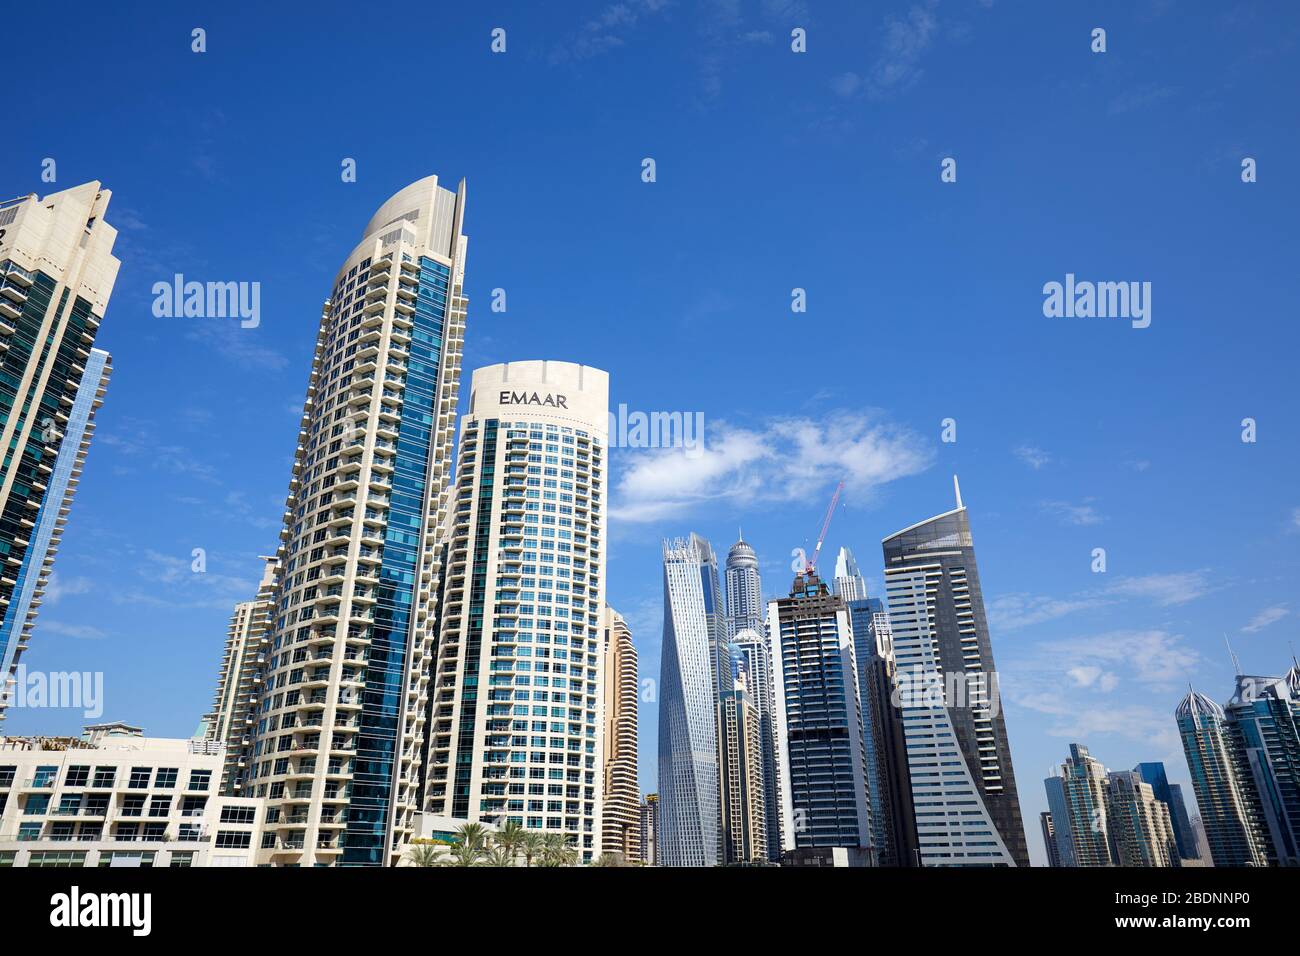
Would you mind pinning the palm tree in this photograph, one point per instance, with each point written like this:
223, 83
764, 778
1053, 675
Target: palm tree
609, 859
499, 856
425, 854
509, 838
531, 845
556, 851
469, 848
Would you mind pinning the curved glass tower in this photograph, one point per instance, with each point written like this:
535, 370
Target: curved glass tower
689, 808
340, 725
970, 817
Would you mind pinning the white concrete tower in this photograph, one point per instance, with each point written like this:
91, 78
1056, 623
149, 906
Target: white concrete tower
515, 721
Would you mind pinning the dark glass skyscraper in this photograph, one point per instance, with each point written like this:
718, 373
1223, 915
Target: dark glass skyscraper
950, 704
1171, 794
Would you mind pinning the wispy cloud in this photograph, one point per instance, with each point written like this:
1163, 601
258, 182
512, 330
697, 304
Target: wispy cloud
82, 632
1165, 589
1010, 612
1032, 456
59, 587
1069, 513
1270, 615
778, 461
1140, 98
608, 30
906, 39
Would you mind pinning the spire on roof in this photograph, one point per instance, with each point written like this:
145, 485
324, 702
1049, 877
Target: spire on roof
957, 488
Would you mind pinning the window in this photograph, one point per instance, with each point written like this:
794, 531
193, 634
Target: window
104, 777
165, 778
7, 858
199, 779
185, 860
61, 858
140, 778
238, 814
142, 858
76, 776
44, 776
37, 803
160, 806
132, 806
7, 776
230, 840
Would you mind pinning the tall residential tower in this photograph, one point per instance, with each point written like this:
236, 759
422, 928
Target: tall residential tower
56, 275
621, 817
515, 713
340, 724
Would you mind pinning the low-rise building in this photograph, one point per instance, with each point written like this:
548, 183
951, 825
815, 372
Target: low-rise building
114, 797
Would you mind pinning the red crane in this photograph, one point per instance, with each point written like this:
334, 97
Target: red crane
821, 537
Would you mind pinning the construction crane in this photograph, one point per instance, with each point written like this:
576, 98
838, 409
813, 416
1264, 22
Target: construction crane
811, 566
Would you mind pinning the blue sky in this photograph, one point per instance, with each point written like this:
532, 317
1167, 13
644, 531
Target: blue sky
775, 171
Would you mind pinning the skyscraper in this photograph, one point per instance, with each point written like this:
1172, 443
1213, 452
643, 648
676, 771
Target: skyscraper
951, 710
240, 681
1138, 825
341, 720
1263, 721
518, 682
849, 583
57, 272
1221, 780
823, 774
744, 590
78, 430
1077, 797
888, 786
650, 830
754, 660
744, 813
621, 823
1049, 838
1153, 773
689, 804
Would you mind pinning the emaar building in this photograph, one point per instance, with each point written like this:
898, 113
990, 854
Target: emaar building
515, 720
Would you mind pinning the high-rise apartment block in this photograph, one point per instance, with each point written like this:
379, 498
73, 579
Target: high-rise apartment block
621, 823
650, 830
740, 749
338, 741
518, 688
823, 778
240, 683
963, 785
57, 272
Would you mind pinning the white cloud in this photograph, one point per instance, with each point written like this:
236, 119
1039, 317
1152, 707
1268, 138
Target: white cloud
84, 632
58, 587
1270, 615
906, 40
1013, 611
781, 460
1068, 513
1032, 456
1165, 589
